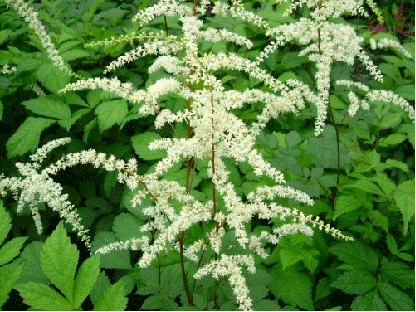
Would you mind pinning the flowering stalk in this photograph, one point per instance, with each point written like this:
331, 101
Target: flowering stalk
214, 134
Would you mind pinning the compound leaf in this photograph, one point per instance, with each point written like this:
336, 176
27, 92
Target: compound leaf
86, 277
112, 299
356, 282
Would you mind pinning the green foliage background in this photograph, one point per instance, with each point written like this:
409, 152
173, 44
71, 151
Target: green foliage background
368, 192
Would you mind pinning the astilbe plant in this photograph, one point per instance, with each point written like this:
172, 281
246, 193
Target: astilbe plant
214, 134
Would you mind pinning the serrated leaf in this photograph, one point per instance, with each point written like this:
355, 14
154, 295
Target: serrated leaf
367, 186
357, 282
48, 106
11, 249
42, 297
300, 291
102, 283
391, 244
116, 259
395, 298
110, 113
368, 302
30, 259
74, 54
53, 78
5, 223
59, 260
392, 139
127, 226
86, 277
405, 200
141, 142
344, 204
155, 302
406, 91
9, 274
322, 289
112, 299
27, 136
398, 273
357, 254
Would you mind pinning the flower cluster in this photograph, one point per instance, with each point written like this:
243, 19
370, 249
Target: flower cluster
31, 17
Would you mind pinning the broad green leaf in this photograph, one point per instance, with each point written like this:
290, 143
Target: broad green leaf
9, 274
367, 186
406, 256
391, 244
405, 200
112, 299
356, 254
42, 297
406, 91
368, 302
88, 128
155, 302
30, 259
102, 283
395, 298
110, 113
86, 277
410, 131
127, 226
378, 219
300, 291
357, 282
74, 54
385, 183
292, 139
53, 78
59, 260
116, 259
141, 142
392, 139
11, 249
27, 136
67, 123
257, 284
323, 288
398, 273
48, 106
5, 223
266, 305
344, 204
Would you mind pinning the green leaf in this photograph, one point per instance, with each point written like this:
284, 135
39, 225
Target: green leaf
398, 273
112, 299
367, 186
406, 91
405, 200
357, 282
406, 256
11, 249
141, 142
27, 136
322, 289
368, 302
395, 298
74, 54
116, 259
5, 223
102, 283
300, 291
155, 302
53, 78
1, 110
257, 284
9, 274
59, 260
30, 259
86, 277
266, 305
392, 139
48, 106
42, 297
292, 139
356, 254
127, 226
344, 204
110, 113
391, 244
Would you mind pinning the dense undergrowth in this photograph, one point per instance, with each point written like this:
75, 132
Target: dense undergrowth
358, 168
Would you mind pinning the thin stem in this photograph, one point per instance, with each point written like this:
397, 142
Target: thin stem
184, 278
